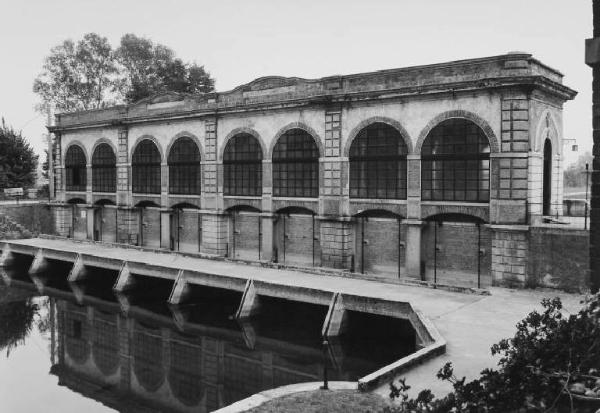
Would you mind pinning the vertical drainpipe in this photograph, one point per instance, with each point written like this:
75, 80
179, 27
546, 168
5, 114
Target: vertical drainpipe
435, 223
313, 239
478, 255
592, 59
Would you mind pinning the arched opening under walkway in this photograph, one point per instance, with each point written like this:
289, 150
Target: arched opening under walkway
185, 227
105, 221
79, 213
245, 233
456, 250
149, 224
296, 237
380, 243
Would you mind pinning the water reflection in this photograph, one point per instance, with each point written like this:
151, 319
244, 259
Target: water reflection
146, 356
17, 313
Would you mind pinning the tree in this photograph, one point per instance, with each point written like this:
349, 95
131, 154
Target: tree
18, 163
153, 68
575, 174
89, 74
79, 76
551, 364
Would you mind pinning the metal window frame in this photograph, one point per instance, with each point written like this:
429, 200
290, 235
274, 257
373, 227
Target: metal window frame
447, 158
376, 149
146, 173
296, 165
242, 166
184, 168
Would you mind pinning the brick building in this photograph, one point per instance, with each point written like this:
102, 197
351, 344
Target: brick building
434, 172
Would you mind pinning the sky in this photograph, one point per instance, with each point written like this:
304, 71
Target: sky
238, 41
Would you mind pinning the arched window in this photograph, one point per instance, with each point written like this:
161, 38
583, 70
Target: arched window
378, 163
547, 182
242, 166
296, 165
75, 169
104, 169
455, 163
145, 168
184, 167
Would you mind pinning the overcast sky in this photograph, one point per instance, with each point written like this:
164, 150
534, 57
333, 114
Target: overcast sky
238, 41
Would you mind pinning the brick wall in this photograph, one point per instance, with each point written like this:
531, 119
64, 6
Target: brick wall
246, 237
80, 222
151, 227
558, 258
128, 226
509, 256
109, 224
36, 218
335, 243
378, 252
190, 226
297, 248
457, 254
215, 233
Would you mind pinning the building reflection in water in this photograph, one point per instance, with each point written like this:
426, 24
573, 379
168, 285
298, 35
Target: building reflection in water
146, 361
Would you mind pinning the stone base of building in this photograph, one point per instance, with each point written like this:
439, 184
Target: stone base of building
451, 253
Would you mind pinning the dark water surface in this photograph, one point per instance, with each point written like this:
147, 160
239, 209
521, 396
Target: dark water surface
80, 348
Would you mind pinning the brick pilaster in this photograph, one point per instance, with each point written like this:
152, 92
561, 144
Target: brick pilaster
123, 167
210, 169
510, 247
509, 168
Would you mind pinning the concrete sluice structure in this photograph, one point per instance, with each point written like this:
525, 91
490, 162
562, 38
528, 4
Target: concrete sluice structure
62, 268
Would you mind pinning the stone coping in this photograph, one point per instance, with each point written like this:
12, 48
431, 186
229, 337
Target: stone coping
259, 398
387, 373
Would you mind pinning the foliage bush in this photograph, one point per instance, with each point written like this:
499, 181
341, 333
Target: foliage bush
552, 364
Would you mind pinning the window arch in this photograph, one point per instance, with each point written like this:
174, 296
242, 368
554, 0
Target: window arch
184, 167
455, 163
145, 168
104, 169
378, 163
242, 166
75, 169
547, 178
296, 165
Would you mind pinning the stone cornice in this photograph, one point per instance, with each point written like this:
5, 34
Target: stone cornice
280, 93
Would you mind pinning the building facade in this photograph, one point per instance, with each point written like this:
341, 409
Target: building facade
433, 172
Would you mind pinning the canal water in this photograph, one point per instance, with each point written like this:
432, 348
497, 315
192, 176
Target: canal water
81, 348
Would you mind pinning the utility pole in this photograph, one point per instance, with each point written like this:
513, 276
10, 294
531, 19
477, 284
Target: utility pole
592, 59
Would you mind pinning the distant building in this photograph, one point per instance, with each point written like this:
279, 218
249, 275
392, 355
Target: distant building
427, 172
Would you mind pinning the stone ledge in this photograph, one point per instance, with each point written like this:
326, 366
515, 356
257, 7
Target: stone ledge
259, 398
387, 373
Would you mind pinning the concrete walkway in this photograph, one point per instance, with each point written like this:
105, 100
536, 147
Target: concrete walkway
472, 328
470, 323
427, 300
